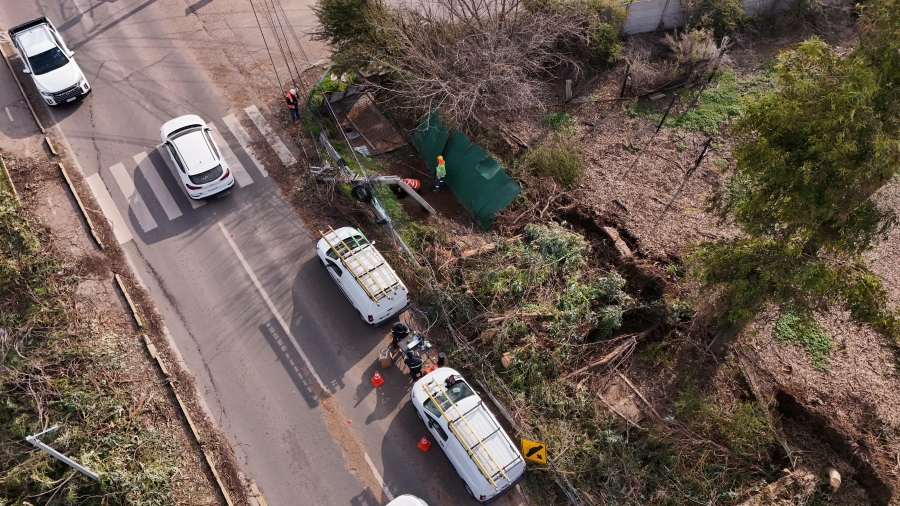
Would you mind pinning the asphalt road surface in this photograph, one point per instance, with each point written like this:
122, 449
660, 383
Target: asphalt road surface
281, 357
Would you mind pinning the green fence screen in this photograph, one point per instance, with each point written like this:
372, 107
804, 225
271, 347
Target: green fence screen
476, 179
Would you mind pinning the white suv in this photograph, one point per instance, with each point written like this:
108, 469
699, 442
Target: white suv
197, 159
54, 72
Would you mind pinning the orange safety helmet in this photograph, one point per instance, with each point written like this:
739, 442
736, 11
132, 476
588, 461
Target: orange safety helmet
440, 158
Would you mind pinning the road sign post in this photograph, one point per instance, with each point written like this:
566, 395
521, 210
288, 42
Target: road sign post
59, 456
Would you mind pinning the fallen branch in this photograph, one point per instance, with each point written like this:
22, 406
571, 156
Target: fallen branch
514, 315
616, 411
619, 350
639, 394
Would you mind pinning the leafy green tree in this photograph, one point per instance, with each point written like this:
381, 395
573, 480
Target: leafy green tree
811, 156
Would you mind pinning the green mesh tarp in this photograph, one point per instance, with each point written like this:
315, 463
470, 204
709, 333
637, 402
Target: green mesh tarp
475, 178
429, 139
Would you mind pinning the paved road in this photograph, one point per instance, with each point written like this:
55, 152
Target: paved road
258, 322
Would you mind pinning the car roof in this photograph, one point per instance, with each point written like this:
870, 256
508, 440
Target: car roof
193, 147
407, 500
36, 40
195, 152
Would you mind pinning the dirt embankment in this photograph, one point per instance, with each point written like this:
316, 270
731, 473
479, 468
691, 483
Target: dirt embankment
95, 300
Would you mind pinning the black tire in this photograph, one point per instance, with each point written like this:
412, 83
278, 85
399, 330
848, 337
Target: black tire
469, 490
322, 262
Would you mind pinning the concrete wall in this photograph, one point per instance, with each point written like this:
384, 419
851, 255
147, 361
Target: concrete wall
646, 15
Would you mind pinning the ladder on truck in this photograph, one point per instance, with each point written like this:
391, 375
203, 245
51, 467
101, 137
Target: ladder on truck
361, 270
438, 389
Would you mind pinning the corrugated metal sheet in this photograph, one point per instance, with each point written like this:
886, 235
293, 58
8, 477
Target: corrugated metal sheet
363, 123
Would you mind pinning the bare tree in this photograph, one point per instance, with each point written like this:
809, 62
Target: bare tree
471, 58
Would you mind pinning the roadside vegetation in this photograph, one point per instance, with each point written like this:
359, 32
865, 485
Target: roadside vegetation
59, 365
549, 318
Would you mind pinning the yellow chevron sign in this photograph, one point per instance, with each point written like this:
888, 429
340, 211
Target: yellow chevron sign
534, 451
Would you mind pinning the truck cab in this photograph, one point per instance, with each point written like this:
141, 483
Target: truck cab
49, 61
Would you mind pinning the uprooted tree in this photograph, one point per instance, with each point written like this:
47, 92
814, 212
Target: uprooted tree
812, 156
470, 58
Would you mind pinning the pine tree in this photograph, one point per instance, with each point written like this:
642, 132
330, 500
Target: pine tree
810, 157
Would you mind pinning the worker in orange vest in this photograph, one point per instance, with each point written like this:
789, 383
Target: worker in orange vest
291, 99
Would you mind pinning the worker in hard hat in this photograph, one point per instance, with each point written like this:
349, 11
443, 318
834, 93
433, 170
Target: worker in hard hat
291, 99
440, 172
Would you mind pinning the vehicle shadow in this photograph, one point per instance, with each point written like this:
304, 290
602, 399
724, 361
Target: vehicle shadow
290, 359
428, 475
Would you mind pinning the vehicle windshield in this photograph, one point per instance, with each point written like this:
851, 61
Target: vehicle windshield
47, 61
208, 176
355, 242
460, 390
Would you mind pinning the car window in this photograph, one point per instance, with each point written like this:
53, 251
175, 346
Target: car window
437, 427
212, 145
458, 391
355, 242
177, 157
47, 61
337, 270
207, 176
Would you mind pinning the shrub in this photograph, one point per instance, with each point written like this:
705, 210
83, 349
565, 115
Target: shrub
559, 157
803, 331
559, 121
721, 16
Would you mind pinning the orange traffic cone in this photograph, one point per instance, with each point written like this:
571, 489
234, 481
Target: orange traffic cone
424, 444
377, 379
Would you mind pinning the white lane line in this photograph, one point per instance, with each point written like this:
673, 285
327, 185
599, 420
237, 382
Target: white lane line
387, 493
165, 156
272, 308
134, 271
271, 137
244, 139
9, 114
123, 178
287, 332
240, 175
104, 199
145, 166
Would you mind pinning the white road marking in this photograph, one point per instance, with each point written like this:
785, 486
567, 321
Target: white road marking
165, 156
240, 175
287, 331
103, 198
123, 178
272, 308
9, 114
134, 271
66, 143
87, 22
271, 137
244, 139
156, 184
387, 493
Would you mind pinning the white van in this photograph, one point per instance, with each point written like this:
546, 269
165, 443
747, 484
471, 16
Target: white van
477, 446
363, 274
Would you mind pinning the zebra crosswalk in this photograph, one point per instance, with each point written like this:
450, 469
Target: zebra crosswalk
159, 202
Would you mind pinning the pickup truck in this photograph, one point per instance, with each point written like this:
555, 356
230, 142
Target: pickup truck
49, 62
